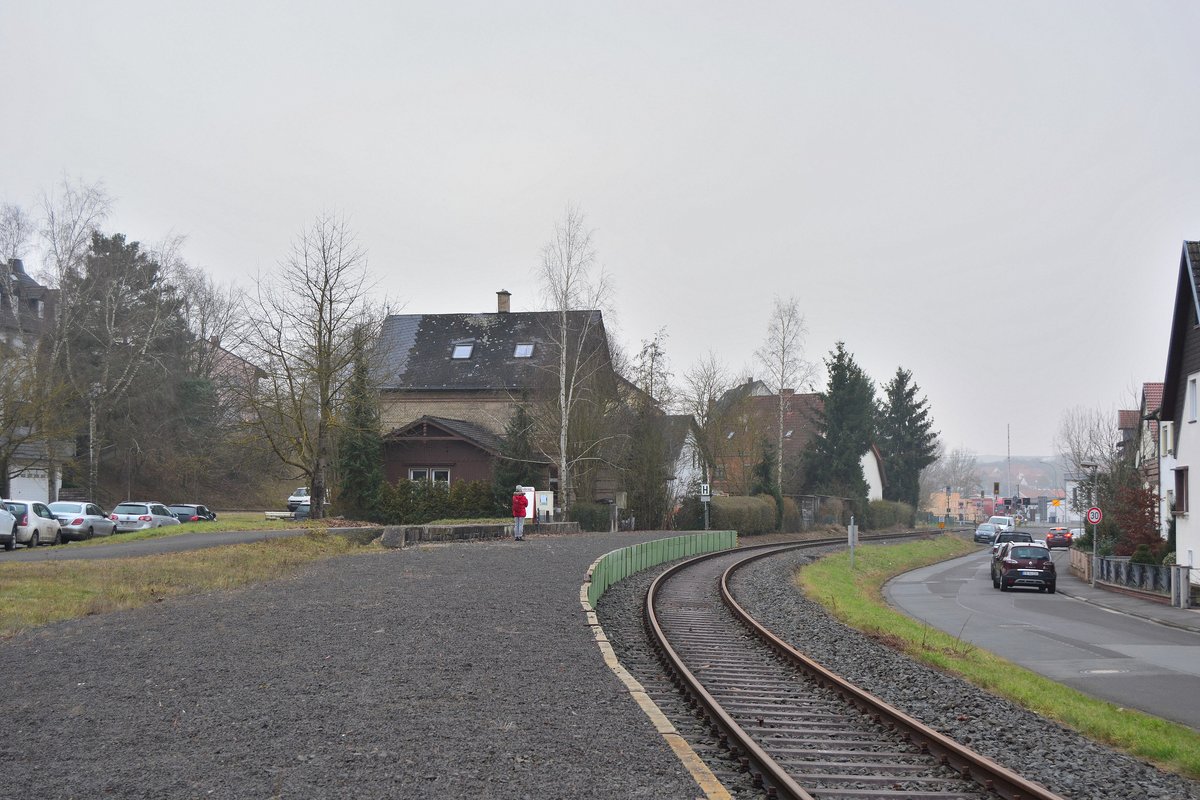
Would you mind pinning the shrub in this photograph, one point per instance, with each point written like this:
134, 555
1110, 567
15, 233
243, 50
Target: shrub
592, 516
1142, 555
1168, 558
792, 521
746, 515
689, 516
882, 514
418, 502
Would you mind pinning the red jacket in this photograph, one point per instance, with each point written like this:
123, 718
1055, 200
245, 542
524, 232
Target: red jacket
520, 503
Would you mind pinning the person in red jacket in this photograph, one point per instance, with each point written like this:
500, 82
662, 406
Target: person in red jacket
520, 503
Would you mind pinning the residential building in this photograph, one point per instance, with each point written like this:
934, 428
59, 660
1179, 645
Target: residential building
1147, 456
450, 384
1179, 434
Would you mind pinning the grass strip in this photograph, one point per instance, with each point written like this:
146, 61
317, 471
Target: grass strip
856, 599
229, 522
37, 593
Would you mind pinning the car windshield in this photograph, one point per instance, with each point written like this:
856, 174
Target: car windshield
301, 493
1039, 553
182, 509
131, 508
986, 527
70, 508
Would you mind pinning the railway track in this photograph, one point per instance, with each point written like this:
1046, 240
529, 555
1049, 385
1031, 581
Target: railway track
801, 731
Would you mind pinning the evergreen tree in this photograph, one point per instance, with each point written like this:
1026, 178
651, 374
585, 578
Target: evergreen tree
906, 438
833, 461
647, 469
519, 462
764, 478
360, 453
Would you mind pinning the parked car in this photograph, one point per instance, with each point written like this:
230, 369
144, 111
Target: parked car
1024, 564
299, 497
1059, 537
8, 528
985, 532
188, 512
81, 521
1009, 536
140, 516
36, 523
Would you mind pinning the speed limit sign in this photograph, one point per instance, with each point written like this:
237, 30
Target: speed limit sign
1094, 515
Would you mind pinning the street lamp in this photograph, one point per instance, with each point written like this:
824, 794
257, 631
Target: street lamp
1092, 466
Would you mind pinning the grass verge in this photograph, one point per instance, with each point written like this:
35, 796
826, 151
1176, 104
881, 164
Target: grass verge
37, 593
229, 522
857, 600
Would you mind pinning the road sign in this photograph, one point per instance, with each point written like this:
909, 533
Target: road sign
1094, 515
705, 492
1056, 502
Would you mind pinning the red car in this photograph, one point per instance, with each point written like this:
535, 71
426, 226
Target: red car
1059, 537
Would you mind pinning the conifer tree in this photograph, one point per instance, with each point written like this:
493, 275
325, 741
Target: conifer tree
906, 438
833, 461
360, 464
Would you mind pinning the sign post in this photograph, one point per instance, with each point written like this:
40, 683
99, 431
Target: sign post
705, 497
851, 540
1094, 515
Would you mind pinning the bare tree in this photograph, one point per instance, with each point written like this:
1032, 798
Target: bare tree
651, 370
782, 357
704, 384
300, 329
16, 232
1088, 435
957, 469
574, 288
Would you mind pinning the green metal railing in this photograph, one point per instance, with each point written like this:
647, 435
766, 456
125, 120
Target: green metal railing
620, 564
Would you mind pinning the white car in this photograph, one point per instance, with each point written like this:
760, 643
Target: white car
8, 528
298, 498
1003, 523
141, 516
36, 523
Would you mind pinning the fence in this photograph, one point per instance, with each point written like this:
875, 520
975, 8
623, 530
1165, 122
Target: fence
619, 564
1119, 571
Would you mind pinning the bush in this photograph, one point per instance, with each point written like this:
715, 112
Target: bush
1142, 555
883, 514
1168, 558
746, 515
418, 502
792, 520
592, 516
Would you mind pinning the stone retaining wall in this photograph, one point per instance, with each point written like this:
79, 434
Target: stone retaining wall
405, 535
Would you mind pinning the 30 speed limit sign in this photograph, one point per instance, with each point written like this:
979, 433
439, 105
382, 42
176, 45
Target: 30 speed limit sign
1094, 515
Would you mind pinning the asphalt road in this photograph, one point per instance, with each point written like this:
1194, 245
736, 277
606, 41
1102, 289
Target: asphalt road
1129, 661
115, 548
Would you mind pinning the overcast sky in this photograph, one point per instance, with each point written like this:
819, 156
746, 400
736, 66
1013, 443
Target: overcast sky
992, 195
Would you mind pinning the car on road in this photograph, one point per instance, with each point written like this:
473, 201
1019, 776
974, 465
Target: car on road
1003, 523
1024, 564
141, 515
190, 512
298, 498
1059, 537
8, 528
36, 523
985, 532
79, 521
1009, 536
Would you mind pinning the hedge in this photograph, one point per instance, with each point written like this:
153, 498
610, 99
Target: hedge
592, 516
417, 502
746, 515
882, 514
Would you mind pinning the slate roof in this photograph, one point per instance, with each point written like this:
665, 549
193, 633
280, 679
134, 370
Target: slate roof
475, 434
1186, 314
415, 350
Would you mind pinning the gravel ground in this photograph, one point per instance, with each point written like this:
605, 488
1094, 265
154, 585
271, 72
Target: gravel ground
1043, 751
451, 671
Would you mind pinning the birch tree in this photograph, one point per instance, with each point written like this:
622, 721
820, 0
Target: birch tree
574, 289
782, 358
704, 384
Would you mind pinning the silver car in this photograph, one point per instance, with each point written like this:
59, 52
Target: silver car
140, 516
8, 528
36, 524
81, 521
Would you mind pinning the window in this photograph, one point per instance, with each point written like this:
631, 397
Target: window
463, 350
1181, 490
1167, 445
1191, 399
523, 350
435, 474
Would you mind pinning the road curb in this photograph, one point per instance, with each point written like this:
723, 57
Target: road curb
1134, 614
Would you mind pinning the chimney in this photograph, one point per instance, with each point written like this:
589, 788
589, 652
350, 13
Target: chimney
502, 301
18, 266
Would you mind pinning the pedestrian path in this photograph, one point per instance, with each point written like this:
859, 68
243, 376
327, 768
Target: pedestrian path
1068, 584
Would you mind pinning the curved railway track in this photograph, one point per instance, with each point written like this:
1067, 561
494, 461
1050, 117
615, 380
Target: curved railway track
800, 730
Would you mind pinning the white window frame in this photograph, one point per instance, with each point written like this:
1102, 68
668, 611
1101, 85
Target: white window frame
523, 350
462, 350
429, 474
1191, 400
1167, 437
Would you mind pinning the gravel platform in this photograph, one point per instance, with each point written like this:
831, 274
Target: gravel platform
449, 671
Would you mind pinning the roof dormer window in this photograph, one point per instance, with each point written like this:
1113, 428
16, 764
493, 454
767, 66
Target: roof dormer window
463, 349
523, 350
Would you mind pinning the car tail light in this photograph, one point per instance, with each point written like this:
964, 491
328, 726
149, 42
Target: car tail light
113, 517
194, 519
145, 518
77, 521
1010, 561
23, 519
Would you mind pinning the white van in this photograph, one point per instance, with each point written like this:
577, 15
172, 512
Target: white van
1002, 523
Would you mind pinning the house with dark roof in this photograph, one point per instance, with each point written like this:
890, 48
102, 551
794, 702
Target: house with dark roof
1179, 442
26, 306
449, 384
1146, 453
